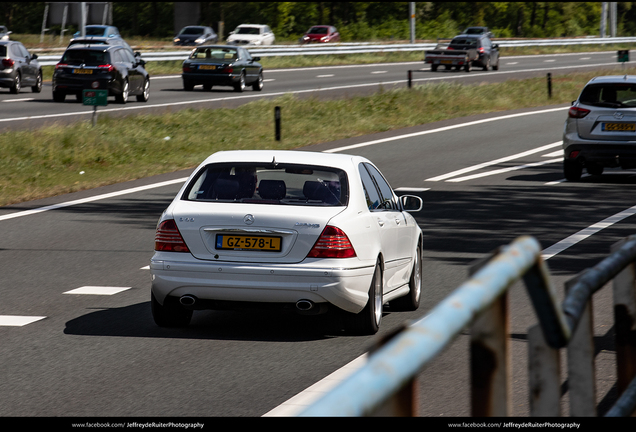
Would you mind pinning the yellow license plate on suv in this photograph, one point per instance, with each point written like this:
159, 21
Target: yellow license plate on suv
207, 67
245, 242
619, 127
83, 71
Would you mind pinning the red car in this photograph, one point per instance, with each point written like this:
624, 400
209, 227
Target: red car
321, 34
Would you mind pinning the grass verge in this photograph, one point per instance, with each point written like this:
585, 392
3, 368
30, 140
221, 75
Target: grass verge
67, 158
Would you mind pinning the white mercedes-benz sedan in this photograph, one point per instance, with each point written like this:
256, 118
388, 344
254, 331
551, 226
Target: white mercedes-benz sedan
312, 232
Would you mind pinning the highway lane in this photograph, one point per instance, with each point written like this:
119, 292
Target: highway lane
100, 354
31, 110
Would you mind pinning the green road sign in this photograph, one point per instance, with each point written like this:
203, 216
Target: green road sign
95, 97
623, 56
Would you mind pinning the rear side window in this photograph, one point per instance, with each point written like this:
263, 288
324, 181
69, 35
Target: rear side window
611, 95
279, 184
3, 50
87, 57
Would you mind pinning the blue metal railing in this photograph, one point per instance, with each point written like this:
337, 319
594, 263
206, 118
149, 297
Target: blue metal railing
394, 365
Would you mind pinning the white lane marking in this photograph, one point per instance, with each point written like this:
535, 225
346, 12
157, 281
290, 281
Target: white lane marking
379, 72
90, 199
504, 170
145, 268
494, 162
17, 320
585, 58
446, 128
411, 189
19, 100
325, 76
512, 63
97, 290
311, 394
587, 232
553, 154
269, 80
549, 61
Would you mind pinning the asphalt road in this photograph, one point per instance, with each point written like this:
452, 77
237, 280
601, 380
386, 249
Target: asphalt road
96, 351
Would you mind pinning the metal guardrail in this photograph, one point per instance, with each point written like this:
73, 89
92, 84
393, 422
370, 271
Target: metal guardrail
360, 48
386, 384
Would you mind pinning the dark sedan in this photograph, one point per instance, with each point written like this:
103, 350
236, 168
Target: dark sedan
196, 35
18, 68
222, 65
100, 67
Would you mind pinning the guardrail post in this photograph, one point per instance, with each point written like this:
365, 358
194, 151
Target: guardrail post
277, 122
410, 78
544, 375
581, 370
625, 323
490, 355
549, 85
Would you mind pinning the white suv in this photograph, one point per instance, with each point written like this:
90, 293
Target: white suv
600, 130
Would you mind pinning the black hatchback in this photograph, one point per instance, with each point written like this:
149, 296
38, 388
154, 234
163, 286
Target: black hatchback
113, 68
18, 68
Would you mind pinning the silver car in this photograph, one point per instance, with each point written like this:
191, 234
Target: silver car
600, 130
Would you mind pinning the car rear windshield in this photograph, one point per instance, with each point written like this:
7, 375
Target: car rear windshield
87, 57
214, 54
465, 42
611, 95
280, 184
3, 50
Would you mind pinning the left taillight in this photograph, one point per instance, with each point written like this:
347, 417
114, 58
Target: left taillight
168, 238
333, 243
8, 63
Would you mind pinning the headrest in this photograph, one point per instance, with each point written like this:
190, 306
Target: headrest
272, 189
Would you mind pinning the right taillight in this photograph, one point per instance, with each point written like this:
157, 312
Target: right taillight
576, 112
168, 238
8, 63
333, 243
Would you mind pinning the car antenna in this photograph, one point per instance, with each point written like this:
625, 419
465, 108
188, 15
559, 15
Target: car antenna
274, 163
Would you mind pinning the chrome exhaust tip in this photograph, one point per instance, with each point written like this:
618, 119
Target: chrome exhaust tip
304, 305
187, 300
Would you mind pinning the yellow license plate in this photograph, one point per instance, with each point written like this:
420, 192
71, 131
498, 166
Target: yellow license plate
245, 242
619, 127
446, 62
83, 71
207, 67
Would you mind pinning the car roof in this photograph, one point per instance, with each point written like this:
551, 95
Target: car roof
343, 161
94, 47
613, 79
251, 25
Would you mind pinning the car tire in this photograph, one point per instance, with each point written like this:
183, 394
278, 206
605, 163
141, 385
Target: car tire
258, 85
495, 67
433, 68
122, 98
367, 322
411, 301
240, 86
187, 85
59, 96
37, 88
594, 168
170, 314
487, 64
468, 67
572, 170
207, 87
17, 84
145, 93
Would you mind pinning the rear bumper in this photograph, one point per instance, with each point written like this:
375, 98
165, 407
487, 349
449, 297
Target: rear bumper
346, 288
608, 154
220, 79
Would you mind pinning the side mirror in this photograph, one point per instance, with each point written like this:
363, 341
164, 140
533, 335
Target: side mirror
34, 56
256, 58
411, 203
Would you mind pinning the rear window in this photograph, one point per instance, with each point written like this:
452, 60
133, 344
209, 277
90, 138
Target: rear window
3, 50
281, 184
87, 57
467, 42
214, 53
611, 95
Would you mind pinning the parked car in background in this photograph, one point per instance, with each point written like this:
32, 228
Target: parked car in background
478, 31
19, 68
4, 33
196, 35
321, 34
100, 40
98, 30
108, 67
222, 65
600, 128
251, 34
288, 230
